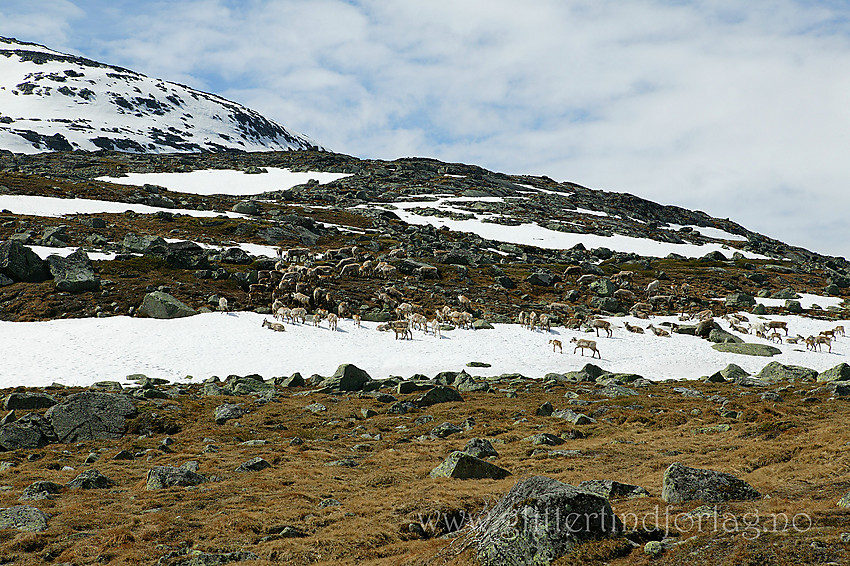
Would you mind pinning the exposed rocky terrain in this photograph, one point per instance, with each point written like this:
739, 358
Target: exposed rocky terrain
343, 470
358, 211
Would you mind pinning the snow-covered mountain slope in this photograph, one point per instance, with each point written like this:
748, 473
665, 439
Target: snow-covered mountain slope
52, 101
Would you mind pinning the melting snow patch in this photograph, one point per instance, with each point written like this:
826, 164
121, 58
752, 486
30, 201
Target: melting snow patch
226, 181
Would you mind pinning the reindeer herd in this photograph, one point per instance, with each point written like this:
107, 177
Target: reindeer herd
294, 291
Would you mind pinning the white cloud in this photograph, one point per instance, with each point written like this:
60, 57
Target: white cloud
734, 108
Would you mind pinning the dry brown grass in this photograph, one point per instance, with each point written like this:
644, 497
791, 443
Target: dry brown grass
804, 468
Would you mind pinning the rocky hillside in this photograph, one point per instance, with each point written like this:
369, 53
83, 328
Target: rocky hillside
51, 101
411, 213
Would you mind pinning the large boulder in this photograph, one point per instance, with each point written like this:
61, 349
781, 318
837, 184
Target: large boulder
438, 394
19, 263
162, 305
28, 400
90, 479
23, 518
748, 349
774, 371
73, 273
162, 477
841, 372
462, 466
603, 287
539, 520
186, 255
228, 411
739, 301
235, 256
347, 377
143, 244
90, 415
30, 431
682, 484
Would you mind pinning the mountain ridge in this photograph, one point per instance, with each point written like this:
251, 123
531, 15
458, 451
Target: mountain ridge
55, 101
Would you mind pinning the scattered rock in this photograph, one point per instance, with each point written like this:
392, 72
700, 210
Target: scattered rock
460, 465
682, 484
73, 273
23, 518
841, 372
90, 479
438, 394
20, 263
28, 400
347, 377
163, 306
480, 448
774, 371
610, 488
253, 465
40, 490
228, 411
162, 477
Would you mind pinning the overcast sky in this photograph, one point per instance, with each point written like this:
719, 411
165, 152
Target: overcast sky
738, 108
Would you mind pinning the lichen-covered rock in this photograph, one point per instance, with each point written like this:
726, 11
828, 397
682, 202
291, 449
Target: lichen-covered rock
348, 377
462, 466
539, 520
90, 415
73, 273
682, 484
841, 372
162, 305
748, 349
90, 479
228, 411
28, 400
438, 394
774, 371
163, 477
23, 518
480, 448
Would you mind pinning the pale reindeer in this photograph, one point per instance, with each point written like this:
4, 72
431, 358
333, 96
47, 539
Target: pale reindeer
222, 304
586, 344
276, 326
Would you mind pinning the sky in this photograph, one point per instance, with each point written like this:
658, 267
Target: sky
739, 109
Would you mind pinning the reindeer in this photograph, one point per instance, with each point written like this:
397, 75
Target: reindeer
598, 323
586, 344
557, 344
222, 304
774, 324
635, 329
276, 326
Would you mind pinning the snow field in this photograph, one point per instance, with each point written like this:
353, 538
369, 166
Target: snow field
83, 351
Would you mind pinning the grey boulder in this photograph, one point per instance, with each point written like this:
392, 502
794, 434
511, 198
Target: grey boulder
682, 484
347, 377
20, 263
90, 415
73, 273
539, 520
162, 305
462, 466
163, 477
23, 518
